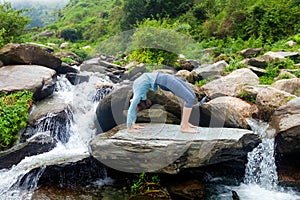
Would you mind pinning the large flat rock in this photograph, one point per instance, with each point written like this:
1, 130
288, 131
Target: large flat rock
164, 148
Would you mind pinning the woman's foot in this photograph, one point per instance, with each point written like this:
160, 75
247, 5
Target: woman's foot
188, 130
192, 126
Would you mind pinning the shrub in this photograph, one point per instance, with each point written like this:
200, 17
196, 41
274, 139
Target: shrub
146, 186
13, 114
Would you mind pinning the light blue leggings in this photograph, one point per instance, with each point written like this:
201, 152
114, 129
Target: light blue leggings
177, 86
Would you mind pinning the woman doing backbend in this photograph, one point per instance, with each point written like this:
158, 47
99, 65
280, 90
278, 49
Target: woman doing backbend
168, 83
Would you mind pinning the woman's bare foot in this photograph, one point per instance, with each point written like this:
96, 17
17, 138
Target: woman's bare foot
188, 130
192, 126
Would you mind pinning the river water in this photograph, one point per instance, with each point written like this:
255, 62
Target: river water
260, 182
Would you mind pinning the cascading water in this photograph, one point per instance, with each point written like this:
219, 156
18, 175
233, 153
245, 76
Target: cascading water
81, 129
261, 181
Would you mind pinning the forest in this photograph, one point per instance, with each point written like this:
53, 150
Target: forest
92, 21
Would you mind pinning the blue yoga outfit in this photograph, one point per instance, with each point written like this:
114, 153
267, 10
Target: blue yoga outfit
166, 82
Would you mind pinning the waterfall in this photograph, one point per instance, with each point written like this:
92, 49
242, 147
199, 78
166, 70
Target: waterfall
261, 180
261, 167
79, 130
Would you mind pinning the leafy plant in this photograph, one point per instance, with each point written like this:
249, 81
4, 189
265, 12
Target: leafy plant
201, 82
246, 96
271, 73
13, 116
146, 186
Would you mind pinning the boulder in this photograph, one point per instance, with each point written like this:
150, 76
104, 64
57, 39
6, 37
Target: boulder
163, 148
291, 86
28, 54
229, 111
286, 121
190, 76
51, 114
67, 54
250, 52
257, 62
211, 71
230, 85
38, 79
279, 55
268, 99
38, 144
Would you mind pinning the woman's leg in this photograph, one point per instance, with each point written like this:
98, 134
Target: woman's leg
182, 90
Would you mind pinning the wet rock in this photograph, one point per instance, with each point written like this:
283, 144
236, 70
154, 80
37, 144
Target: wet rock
51, 114
190, 189
75, 78
38, 79
163, 148
38, 144
20, 54
286, 121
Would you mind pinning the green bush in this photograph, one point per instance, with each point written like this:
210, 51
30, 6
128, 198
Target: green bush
271, 73
13, 116
148, 187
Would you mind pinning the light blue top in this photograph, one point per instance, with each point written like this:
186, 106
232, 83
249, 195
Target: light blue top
140, 88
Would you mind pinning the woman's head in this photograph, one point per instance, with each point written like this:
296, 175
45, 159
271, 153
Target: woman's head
143, 104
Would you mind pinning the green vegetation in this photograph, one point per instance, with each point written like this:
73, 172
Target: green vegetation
13, 116
12, 24
146, 186
247, 97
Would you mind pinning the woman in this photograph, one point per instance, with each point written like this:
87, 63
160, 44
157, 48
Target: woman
168, 83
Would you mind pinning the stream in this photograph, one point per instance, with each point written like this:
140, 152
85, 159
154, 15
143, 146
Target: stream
260, 181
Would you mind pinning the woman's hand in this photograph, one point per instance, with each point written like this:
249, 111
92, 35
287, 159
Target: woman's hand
137, 126
134, 128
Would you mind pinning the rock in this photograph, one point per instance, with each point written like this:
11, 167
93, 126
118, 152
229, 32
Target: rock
134, 73
284, 74
36, 145
286, 121
258, 71
257, 62
69, 54
51, 114
250, 52
110, 110
229, 111
280, 55
191, 77
66, 68
268, 99
1, 64
186, 65
13, 54
211, 71
163, 148
46, 48
156, 114
230, 85
291, 43
76, 78
38, 79
190, 189
64, 45
291, 86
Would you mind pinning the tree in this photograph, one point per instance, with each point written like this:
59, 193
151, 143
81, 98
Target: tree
12, 24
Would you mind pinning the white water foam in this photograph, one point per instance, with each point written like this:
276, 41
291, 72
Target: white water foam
82, 129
